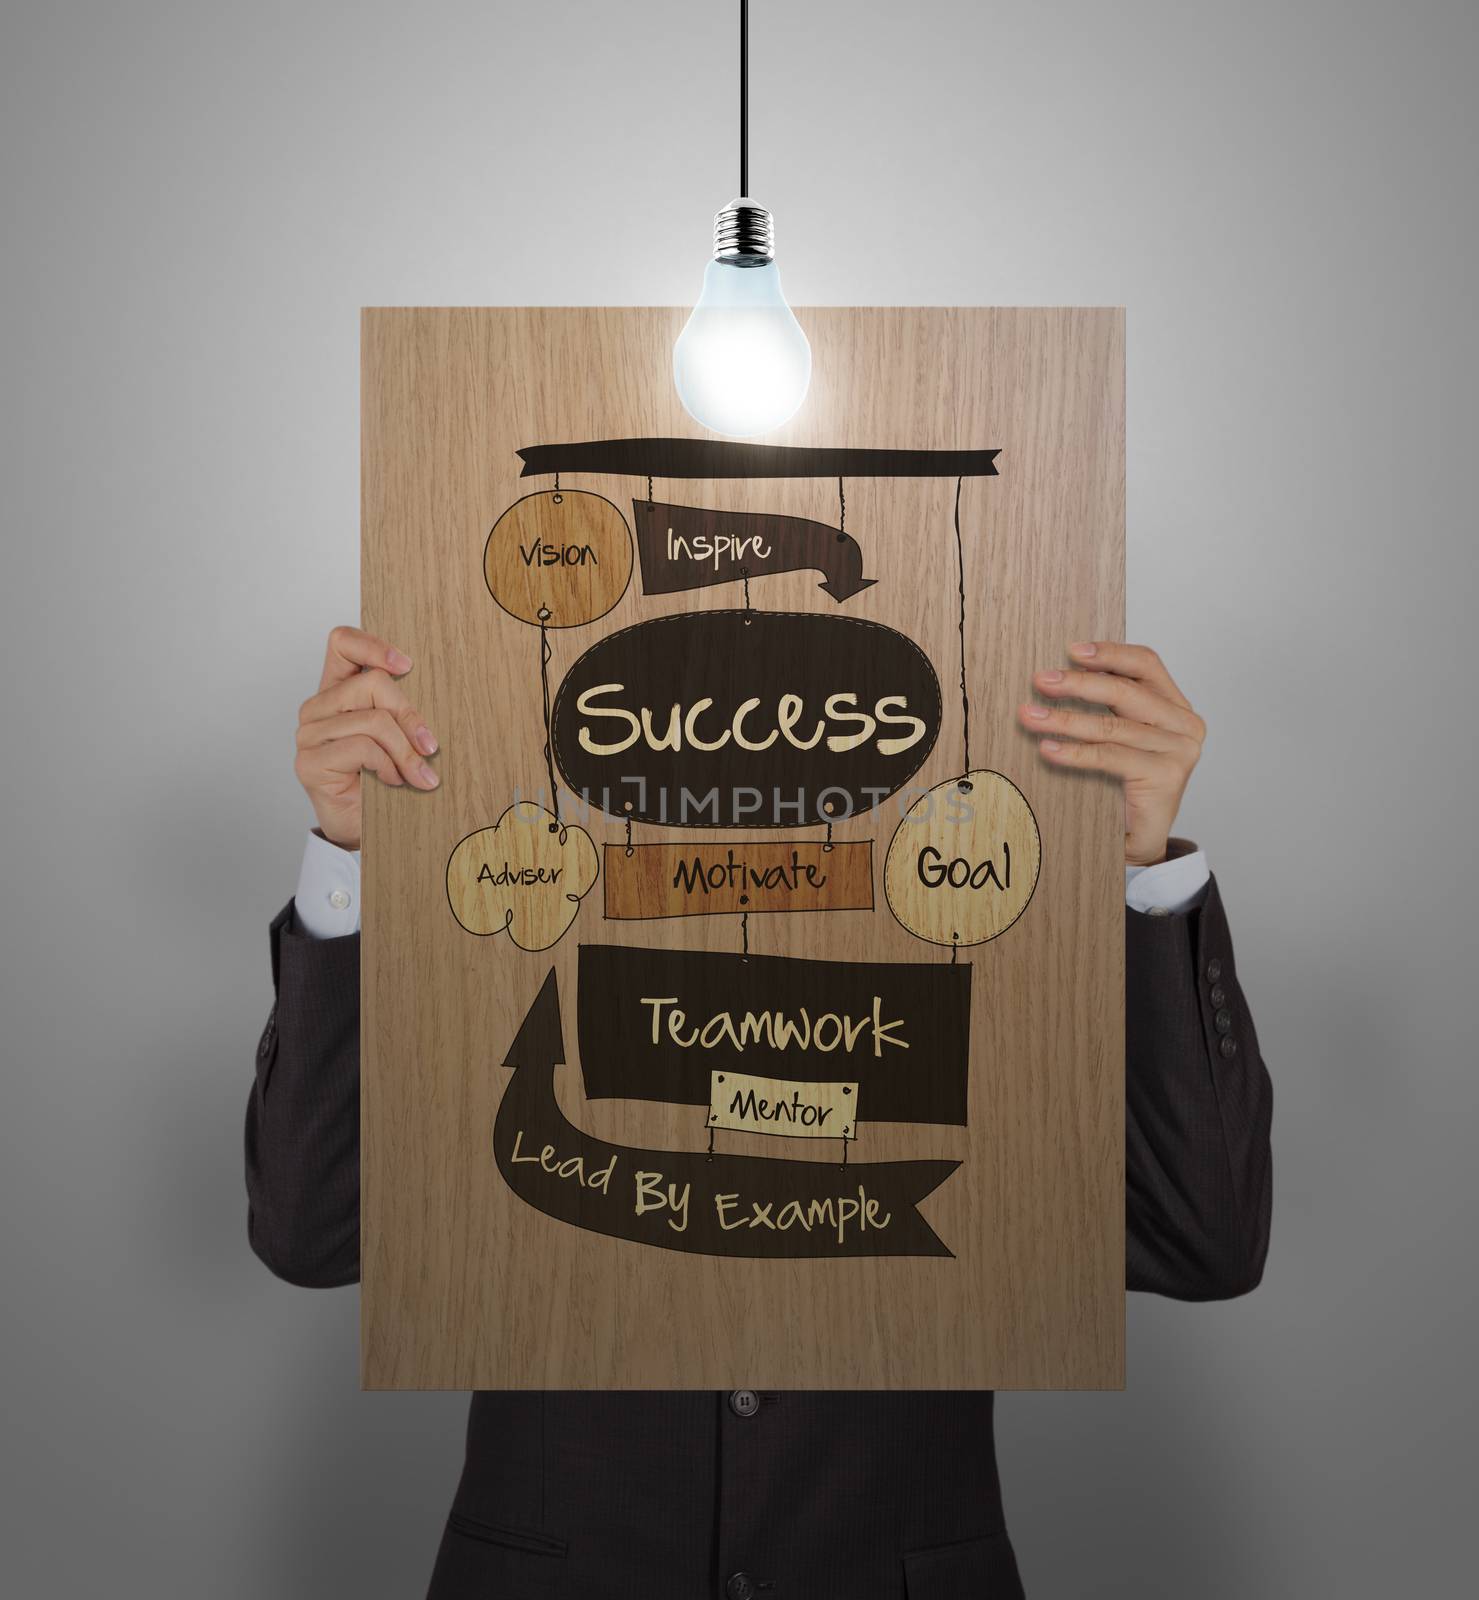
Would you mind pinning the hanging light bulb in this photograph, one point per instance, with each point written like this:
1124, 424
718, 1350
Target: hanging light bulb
742, 365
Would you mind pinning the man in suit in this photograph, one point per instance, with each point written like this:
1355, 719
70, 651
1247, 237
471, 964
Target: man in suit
770, 1496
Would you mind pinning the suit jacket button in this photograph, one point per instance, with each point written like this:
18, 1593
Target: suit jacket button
1223, 1021
744, 1402
740, 1587
1229, 1046
1214, 970
1219, 995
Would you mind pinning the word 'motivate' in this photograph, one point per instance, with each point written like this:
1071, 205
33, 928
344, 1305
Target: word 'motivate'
706, 875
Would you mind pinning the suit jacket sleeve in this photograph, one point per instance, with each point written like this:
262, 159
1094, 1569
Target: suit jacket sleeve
1198, 1105
302, 1125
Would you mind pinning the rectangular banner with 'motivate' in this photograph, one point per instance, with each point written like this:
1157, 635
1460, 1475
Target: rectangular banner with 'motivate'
714, 879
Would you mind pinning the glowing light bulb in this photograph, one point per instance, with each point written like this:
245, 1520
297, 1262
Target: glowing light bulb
742, 365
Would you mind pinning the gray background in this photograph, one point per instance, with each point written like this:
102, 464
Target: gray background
197, 200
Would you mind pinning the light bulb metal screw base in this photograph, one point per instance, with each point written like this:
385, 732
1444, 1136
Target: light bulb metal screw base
744, 234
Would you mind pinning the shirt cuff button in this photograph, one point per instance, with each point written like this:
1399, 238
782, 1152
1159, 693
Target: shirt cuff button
339, 900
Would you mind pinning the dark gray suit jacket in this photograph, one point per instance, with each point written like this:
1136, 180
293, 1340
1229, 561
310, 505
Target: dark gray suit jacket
772, 1496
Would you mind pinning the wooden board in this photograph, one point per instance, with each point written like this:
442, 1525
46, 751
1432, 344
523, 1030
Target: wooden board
544, 1202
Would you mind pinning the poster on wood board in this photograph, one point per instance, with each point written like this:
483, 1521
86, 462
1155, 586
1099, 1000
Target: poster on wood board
746, 1006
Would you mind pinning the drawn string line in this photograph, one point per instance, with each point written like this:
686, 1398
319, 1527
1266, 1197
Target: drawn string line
965, 696
545, 654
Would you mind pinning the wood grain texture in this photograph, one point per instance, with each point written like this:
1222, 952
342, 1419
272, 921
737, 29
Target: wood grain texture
465, 1285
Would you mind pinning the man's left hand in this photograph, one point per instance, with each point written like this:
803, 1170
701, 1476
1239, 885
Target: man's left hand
1150, 740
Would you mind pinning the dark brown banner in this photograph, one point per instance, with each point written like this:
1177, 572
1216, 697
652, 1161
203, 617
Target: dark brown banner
745, 719
692, 547
727, 458
655, 1023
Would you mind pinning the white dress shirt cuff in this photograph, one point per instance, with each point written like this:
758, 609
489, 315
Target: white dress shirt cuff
327, 901
1169, 886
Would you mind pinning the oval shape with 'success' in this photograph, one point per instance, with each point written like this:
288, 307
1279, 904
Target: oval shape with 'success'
745, 719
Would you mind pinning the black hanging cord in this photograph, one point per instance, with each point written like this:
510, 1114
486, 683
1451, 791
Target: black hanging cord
744, 98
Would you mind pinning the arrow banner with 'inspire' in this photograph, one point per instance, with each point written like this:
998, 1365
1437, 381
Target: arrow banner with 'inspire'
692, 547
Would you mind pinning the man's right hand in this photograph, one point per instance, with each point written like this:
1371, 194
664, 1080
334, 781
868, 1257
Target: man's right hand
359, 721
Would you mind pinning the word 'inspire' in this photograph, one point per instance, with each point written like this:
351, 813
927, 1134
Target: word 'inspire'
716, 548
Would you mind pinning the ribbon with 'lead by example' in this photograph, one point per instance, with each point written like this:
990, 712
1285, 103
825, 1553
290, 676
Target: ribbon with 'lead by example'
726, 1205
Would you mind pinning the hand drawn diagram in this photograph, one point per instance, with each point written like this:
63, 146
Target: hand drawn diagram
733, 721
